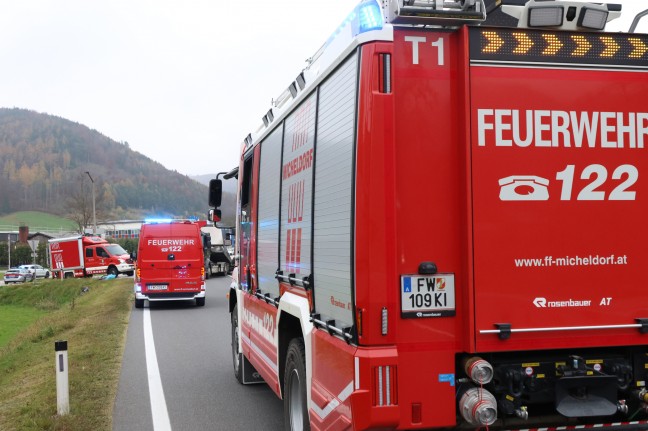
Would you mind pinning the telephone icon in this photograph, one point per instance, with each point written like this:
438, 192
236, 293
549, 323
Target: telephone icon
524, 188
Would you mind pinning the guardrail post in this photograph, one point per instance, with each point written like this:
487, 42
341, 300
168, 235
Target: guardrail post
62, 386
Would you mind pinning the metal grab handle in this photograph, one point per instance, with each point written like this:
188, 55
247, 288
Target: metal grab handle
564, 328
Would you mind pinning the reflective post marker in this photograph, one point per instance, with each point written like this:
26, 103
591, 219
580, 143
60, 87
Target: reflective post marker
62, 387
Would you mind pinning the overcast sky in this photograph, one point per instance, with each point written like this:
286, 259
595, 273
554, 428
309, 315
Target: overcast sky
182, 81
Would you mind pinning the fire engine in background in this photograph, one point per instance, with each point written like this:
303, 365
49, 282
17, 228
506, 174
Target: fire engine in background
82, 256
170, 262
444, 225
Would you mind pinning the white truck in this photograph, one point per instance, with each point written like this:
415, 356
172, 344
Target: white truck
219, 260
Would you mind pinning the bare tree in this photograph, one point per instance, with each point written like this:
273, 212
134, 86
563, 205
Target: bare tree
79, 205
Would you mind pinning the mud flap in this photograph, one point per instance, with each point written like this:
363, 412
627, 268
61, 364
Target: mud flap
586, 396
250, 374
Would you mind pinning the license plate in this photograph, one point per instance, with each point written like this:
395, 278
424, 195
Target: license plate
157, 287
427, 296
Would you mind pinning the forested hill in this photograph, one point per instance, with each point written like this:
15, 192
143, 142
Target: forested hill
43, 160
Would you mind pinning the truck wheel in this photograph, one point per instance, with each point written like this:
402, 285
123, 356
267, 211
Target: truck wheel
237, 356
47, 274
200, 302
295, 411
139, 303
112, 271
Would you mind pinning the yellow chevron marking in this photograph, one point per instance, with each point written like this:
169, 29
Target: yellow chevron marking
582, 45
524, 43
640, 48
553, 44
611, 47
494, 42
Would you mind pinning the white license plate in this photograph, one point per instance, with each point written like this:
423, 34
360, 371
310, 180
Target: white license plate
427, 296
157, 287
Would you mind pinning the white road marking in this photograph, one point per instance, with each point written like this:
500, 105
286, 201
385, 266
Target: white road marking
158, 403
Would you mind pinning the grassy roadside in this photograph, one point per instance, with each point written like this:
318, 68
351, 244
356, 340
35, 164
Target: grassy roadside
94, 324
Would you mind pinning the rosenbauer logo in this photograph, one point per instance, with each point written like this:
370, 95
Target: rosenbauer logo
544, 303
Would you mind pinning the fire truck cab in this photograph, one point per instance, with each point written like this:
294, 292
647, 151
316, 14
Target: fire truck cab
441, 223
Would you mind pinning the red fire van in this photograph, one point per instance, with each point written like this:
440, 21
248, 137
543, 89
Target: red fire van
170, 263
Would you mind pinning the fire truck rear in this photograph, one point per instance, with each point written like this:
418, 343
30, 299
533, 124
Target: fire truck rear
442, 223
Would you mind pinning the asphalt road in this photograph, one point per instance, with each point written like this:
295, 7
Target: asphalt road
198, 387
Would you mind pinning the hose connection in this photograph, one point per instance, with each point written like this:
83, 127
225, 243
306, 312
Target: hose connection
479, 370
478, 407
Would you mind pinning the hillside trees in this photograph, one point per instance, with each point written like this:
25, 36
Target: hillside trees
44, 158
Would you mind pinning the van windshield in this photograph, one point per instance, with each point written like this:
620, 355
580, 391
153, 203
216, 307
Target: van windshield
115, 249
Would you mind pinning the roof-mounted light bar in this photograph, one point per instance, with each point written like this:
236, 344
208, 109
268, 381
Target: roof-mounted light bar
436, 12
562, 14
158, 220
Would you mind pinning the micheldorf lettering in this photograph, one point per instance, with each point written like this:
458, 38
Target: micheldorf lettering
171, 242
298, 164
567, 129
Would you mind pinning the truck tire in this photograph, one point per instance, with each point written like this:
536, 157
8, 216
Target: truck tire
295, 407
47, 274
200, 302
237, 356
112, 271
139, 303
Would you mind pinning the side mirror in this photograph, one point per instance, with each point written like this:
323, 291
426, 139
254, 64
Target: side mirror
133, 255
214, 216
215, 193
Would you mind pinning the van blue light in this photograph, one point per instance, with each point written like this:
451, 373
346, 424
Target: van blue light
369, 16
158, 220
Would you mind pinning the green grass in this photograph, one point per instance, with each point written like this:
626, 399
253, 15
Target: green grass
37, 219
94, 323
14, 319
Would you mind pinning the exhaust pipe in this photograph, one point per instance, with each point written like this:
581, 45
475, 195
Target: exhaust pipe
478, 407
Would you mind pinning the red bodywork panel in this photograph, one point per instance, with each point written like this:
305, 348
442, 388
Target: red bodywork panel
407, 158
66, 254
564, 249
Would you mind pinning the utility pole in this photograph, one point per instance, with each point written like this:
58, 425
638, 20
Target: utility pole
94, 214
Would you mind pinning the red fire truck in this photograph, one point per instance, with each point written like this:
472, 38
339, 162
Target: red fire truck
442, 224
83, 256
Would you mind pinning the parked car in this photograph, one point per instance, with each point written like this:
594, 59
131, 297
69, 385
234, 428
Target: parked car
18, 275
37, 270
